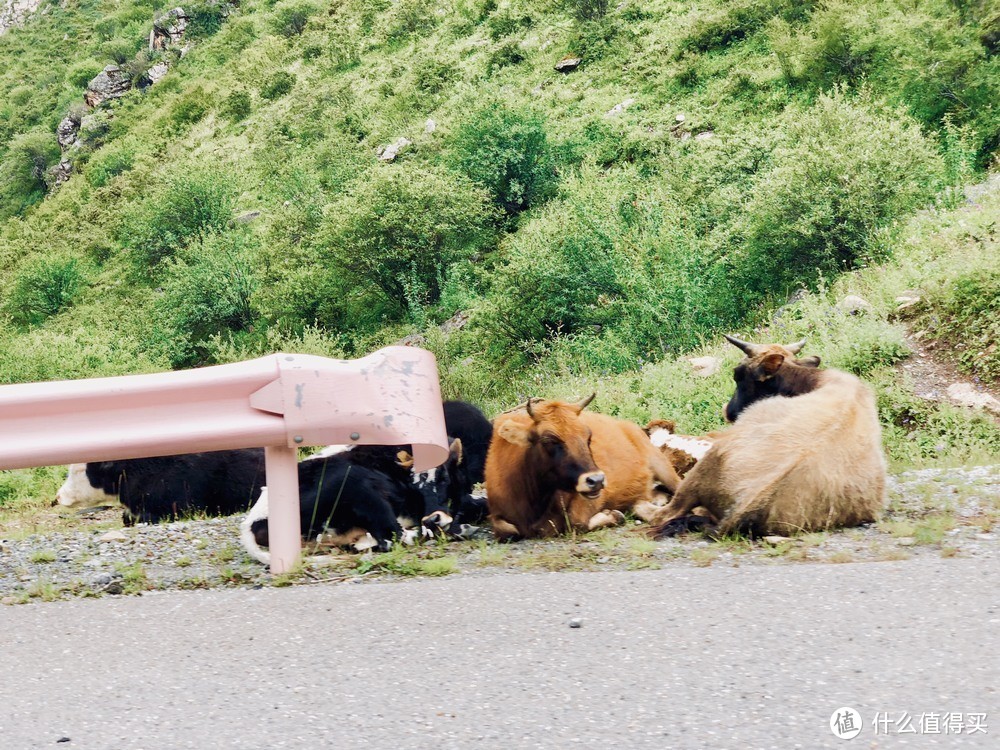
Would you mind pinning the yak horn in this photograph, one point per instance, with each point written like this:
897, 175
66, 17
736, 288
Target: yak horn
527, 407
796, 347
581, 405
744, 346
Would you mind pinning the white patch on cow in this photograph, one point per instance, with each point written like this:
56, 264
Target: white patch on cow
694, 447
365, 543
78, 492
330, 450
423, 478
257, 513
406, 522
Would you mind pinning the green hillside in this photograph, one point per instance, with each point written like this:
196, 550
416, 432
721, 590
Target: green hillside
701, 163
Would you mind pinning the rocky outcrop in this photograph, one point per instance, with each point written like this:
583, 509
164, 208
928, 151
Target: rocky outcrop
16, 12
67, 131
168, 29
110, 83
391, 151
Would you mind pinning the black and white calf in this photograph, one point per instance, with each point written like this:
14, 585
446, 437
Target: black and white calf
217, 483
341, 503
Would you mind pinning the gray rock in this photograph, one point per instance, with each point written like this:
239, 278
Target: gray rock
113, 536
103, 579
66, 132
568, 63
853, 304
705, 367
965, 394
156, 73
575, 622
619, 108
168, 29
248, 217
16, 12
110, 83
390, 152
430, 126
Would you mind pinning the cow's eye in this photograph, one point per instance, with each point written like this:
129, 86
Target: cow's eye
551, 444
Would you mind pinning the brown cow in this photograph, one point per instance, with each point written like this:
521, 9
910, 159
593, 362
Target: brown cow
804, 452
551, 467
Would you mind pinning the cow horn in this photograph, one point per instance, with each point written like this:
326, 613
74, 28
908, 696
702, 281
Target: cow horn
796, 347
527, 407
744, 346
582, 404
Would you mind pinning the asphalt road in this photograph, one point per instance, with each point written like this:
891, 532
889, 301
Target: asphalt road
719, 657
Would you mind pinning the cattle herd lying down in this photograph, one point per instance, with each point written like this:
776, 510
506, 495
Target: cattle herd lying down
803, 453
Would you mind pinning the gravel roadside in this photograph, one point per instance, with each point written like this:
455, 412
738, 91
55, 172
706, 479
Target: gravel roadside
933, 512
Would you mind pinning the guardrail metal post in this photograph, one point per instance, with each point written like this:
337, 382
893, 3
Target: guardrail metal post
283, 527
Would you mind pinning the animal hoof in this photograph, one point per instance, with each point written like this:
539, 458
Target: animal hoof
683, 525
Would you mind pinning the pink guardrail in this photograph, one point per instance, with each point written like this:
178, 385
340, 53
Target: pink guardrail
279, 402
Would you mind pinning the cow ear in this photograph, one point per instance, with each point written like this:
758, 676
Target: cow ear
812, 361
404, 459
515, 433
455, 449
770, 364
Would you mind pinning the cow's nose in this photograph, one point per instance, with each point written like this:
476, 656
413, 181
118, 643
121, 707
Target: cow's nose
594, 481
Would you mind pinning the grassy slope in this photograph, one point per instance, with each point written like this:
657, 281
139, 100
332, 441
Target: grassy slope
366, 74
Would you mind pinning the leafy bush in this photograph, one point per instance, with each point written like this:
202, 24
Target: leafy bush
191, 107
401, 229
506, 21
205, 18
42, 354
236, 106
189, 204
588, 10
206, 292
42, 289
508, 53
82, 72
277, 85
290, 17
506, 151
23, 169
110, 162
841, 171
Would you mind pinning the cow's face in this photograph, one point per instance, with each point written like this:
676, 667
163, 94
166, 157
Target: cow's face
769, 370
78, 492
558, 446
437, 486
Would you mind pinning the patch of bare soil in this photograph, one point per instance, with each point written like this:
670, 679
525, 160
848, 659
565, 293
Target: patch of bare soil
931, 373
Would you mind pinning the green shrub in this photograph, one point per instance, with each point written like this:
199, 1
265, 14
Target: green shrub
189, 204
506, 21
42, 289
110, 162
405, 18
23, 169
842, 171
120, 51
588, 10
290, 17
505, 55
506, 151
401, 229
82, 72
236, 106
190, 107
206, 292
42, 354
205, 18
277, 85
